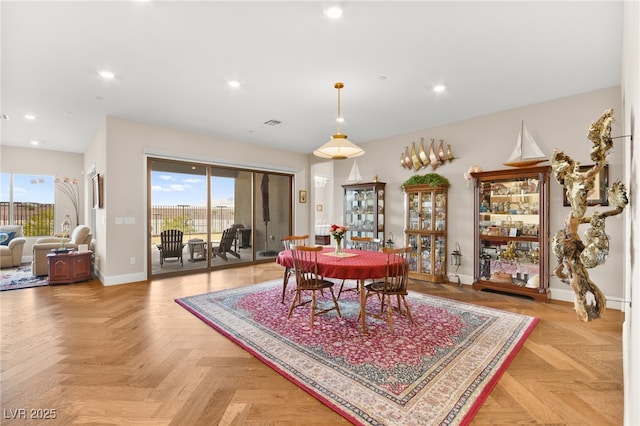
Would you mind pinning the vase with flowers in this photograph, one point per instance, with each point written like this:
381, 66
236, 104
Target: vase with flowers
338, 234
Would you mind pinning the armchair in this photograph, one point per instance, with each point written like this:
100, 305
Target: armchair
11, 254
43, 246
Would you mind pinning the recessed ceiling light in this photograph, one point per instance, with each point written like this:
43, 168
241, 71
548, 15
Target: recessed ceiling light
108, 75
233, 83
30, 116
334, 12
35, 142
439, 88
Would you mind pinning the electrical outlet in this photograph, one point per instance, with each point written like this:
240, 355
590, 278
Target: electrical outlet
132, 260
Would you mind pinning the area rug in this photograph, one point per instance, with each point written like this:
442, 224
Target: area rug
437, 370
20, 277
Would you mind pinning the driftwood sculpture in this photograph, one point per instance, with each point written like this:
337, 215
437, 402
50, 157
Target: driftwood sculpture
575, 256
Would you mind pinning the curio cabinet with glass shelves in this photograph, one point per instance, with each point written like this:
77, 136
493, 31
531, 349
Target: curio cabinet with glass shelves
512, 229
364, 211
426, 232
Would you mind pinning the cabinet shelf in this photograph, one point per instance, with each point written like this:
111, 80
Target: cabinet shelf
507, 238
512, 228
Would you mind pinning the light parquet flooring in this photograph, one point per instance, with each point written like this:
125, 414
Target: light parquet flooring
129, 355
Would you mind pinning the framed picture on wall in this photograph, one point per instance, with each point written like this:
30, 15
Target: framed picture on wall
302, 196
598, 195
97, 191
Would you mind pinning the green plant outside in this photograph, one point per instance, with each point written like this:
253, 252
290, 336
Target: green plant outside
39, 223
182, 223
431, 179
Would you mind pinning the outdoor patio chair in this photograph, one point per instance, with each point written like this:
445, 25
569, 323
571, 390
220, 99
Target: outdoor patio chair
171, 245
394, 284
287, 242
226, 244
305, 263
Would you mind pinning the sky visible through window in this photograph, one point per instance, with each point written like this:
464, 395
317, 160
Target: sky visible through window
27, 188
171, 189
167, 189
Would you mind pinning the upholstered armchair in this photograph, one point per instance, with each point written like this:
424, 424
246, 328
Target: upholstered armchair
11, 253
43, 246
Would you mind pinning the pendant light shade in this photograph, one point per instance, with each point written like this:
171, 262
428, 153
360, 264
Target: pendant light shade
339, 147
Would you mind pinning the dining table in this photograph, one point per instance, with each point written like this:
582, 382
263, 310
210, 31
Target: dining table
351, 264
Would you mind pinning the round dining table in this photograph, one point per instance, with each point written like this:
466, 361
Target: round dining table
352, 264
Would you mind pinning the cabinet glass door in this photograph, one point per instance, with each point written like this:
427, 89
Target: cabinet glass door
425, 230
364, 211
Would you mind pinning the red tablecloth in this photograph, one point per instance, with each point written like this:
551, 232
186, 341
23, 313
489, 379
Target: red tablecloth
365, 265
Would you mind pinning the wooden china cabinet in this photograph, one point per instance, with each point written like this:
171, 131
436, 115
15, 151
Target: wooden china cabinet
426, 232
512, 231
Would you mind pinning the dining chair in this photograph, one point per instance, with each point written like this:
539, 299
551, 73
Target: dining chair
365, 243
287, 242
394, 284
305, 263
360, 243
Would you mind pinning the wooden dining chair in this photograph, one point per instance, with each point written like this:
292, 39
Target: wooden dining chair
305, 263
360, 243
287, 242
394, 284
365, 243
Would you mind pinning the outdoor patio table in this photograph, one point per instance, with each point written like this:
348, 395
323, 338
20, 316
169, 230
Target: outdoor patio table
357, 265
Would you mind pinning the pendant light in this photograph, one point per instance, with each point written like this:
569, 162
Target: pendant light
339, 147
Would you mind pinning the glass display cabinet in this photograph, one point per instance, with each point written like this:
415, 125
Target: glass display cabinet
512, 230
426, 232
364, 211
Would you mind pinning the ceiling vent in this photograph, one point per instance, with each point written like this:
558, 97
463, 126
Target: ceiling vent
273, 123
4, 117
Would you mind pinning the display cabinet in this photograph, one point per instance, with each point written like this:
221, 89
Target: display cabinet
364, 211
426, 232
512, 230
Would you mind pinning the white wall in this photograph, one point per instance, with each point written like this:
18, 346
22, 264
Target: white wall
631, 111
126, 145
488, 141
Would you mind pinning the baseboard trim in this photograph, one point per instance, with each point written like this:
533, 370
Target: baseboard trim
121, 279
561, 294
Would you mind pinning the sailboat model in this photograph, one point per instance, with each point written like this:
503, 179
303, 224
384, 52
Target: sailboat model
526, 153
354, 175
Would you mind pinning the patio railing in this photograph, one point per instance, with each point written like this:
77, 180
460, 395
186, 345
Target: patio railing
37, 219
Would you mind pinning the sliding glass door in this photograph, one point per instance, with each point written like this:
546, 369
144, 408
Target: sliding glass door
178, 201
227, 216
272, 201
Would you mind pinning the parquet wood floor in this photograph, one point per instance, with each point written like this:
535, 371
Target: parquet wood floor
129, 355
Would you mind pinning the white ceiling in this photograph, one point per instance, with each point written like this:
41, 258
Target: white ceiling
172, 61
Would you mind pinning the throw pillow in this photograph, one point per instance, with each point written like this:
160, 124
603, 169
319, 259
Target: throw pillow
6, 237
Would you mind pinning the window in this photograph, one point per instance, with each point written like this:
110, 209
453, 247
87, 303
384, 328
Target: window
27, 200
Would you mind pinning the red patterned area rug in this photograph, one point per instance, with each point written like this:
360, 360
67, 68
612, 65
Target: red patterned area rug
20, 277
438, 370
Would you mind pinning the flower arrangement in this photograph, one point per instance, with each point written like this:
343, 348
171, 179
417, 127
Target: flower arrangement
69, 187
338, 232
